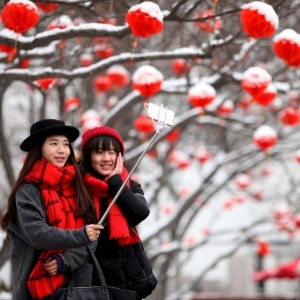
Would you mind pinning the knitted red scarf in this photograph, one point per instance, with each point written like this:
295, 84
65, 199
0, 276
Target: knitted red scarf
117, 223
57, 188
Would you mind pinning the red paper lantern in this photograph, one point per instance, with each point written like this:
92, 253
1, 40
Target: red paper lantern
266, 96
20, 15
147, 80
242, 181
145, 19
102, 83
90, 119
179, 159
47, 7
225, 108
86, 59
255, 80
103, 50
25, 63
144, 124
211, 24
202, 155
259, 19
181, 66
118, 75
265, 137
72, 104
245, 102
173, 135
289, 116
45, 83
286, 46
62, 22
201, 94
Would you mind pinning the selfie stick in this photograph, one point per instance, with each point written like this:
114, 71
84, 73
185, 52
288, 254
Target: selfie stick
162, 116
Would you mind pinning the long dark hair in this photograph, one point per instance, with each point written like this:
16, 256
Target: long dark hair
85, 206
105, 142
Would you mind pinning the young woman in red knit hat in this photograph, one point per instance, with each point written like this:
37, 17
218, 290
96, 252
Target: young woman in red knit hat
119, 251
46, 215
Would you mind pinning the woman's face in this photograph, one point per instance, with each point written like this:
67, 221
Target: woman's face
103, 162
56, 150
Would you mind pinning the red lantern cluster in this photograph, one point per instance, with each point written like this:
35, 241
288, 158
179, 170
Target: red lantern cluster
144, 124
266, 96
118, 75
72, 104
20, 15
259, 19
289, 116
102, 83
265, 137
286, 46
201, 95
147, 80
145, 19
212, 23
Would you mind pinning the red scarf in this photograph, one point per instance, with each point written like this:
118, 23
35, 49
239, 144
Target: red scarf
117, 223
57, 188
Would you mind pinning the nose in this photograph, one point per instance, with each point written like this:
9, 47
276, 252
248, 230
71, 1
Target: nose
106, 155
61, 148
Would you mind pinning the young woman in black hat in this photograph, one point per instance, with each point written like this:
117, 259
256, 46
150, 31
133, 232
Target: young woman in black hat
47, 212
120, 251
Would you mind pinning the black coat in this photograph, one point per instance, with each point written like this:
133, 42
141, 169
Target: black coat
128, 266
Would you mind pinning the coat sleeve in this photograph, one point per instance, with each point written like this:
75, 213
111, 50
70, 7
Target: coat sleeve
31, 219
131, 201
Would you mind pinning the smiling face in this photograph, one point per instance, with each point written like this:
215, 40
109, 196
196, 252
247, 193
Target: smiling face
56, 150
104, 161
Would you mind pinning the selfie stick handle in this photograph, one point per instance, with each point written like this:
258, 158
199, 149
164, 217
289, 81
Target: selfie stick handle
125, 181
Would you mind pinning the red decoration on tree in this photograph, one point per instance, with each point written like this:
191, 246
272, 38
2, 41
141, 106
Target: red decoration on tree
72, 104
225, 108
179, 159
265, 137
201, 94
47, 7
118, 75
255, 80
266, 96
286, 46
20, 15
45, 83
202, 154
144, 124
259, 19
86, 59
245, 102
147, 80
102, 83
289, 116
211, 24
173, 135
263, 247
90, 119
181, 66
145, 19
242, 181
60, 23
103, 50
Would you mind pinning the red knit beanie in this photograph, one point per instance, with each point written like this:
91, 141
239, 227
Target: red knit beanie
100, 131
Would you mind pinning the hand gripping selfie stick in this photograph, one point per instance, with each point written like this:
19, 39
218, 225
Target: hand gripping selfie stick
162, 116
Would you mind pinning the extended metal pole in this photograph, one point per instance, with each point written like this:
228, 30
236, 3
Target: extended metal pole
125, 181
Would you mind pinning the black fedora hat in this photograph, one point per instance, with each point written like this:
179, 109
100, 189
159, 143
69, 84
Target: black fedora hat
48, 127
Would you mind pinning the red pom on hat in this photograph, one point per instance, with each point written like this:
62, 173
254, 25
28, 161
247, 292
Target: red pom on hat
100, 131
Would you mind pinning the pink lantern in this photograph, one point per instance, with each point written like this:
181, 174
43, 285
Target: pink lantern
211, 24
259, 19
242, 181
72, 104
265, 137
266, 96
286, 46
145, 19
118, 75
201, 95
19, 15
90, 119
225, 108
289, 116
147, 80
255, 80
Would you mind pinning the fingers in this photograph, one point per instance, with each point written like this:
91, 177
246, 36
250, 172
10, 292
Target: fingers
51, 266
93, 231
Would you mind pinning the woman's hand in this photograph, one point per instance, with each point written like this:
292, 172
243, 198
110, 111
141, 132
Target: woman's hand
93, 231
119, 166
51, 266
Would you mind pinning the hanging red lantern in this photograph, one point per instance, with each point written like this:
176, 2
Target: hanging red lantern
20, 15
265, 137
255, 80
259, 19
62, 22
202, 155
225, 108
47, 7
118, 75
144, 124
289, 116
181, 66
266, 96
242, 181
179, 159
212, 23
72, 104
173, 135
286, 46
86, 59
201, 95
90, 119
263, 247
103, 50
102, 83
145, 19
45, 83
147, 80
245, 102
24, 63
